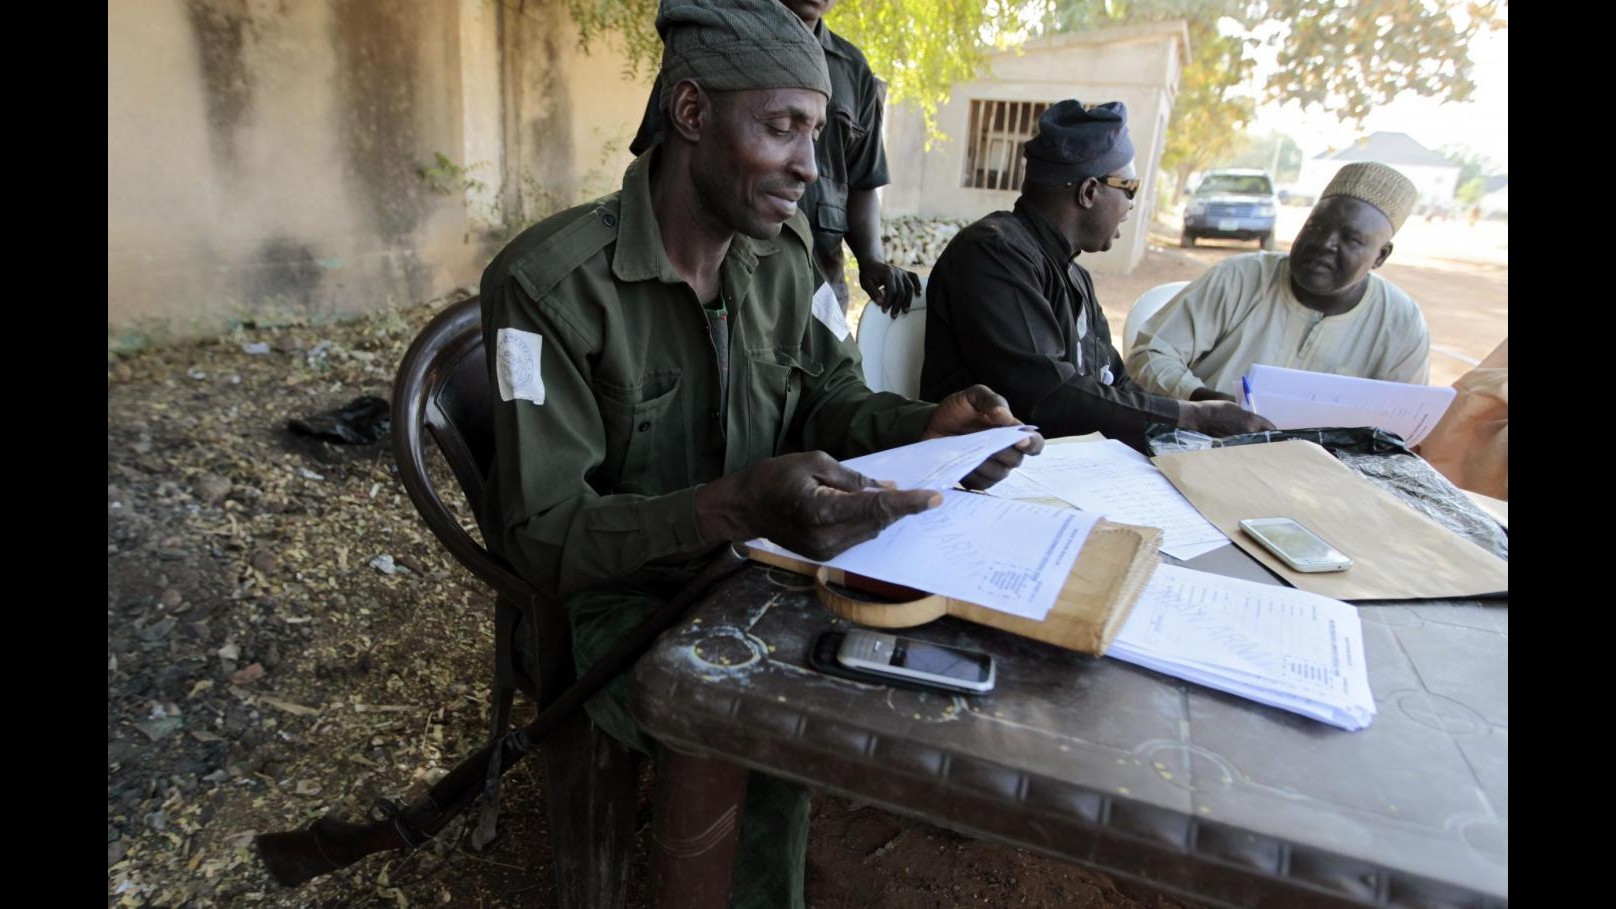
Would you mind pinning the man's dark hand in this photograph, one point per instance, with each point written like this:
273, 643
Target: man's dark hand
975, 409
805, 502
1205, 393
1220, 418
892, 288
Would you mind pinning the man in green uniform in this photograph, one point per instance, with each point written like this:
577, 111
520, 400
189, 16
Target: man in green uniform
672, 372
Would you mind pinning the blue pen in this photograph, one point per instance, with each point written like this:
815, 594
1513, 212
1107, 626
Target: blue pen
1245, 386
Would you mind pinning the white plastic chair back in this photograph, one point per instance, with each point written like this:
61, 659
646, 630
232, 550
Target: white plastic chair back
1149, 303
893, 348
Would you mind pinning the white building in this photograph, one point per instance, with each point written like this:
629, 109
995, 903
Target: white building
1433, 175
978, 167
1495, 198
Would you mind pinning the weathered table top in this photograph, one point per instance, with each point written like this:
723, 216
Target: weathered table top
1138, 774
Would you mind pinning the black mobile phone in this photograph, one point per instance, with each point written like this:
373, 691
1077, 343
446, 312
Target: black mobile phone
902, 662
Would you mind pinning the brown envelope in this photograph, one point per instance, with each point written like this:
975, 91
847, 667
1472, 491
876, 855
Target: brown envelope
1396, 552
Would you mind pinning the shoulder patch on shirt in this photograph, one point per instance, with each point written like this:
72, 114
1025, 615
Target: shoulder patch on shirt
585, 233
518, 365
829, 312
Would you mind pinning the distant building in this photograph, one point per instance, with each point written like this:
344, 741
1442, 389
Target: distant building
1434, 176
977, 168
1495, 196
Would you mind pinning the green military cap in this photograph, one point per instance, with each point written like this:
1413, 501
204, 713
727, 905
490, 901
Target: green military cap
733, 45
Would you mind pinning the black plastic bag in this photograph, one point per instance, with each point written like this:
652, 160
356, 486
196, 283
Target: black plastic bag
1357, 440
1378, 456
359, 422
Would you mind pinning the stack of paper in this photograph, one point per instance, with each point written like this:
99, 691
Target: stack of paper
1010, 556
937, 463
1298, 399
1111, 479
1287, 648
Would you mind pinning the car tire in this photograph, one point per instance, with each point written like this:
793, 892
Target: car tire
1267, 241
1186, 239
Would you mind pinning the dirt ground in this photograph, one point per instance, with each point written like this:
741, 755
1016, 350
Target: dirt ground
285, 638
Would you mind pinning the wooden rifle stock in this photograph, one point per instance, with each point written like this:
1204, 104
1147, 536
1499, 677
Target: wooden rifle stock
295, 856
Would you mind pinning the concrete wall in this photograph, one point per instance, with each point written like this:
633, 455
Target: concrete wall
264, 156
569, 115
1138, 65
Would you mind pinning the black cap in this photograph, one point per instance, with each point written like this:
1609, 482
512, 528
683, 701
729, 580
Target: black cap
1075, 142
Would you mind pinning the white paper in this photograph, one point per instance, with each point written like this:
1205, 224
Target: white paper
1002, 554
936, 463
1299, 399
1113, 480
999, 553
1300, 413
1277, 645
1019, 486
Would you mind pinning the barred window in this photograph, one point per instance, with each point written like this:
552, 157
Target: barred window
993, 151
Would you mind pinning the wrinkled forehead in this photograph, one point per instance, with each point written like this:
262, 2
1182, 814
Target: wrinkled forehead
797, 104
1347, 211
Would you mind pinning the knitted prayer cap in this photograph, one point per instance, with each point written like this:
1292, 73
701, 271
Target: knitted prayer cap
1378, 185
732, 45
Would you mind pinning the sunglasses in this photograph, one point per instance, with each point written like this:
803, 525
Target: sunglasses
1128, 186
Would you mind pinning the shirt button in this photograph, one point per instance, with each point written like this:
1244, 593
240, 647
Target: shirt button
713, 413
609, 220
645, 426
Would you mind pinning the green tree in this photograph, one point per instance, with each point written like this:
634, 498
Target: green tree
1471, 190
1207, 118
1471, 164
1343, 57
1276, 153
634, 21
1209, 114
921, 48
1349, 57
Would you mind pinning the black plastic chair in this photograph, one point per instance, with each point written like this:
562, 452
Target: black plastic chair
442, 390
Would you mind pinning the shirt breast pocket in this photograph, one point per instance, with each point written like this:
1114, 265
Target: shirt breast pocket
837, 146
830, 217
853, 132
775, 388
645, 437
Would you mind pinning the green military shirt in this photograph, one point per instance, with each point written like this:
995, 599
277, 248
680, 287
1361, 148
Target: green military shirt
609, 413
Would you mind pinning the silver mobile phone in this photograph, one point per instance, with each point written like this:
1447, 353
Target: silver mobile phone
920, 661
1295, 545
